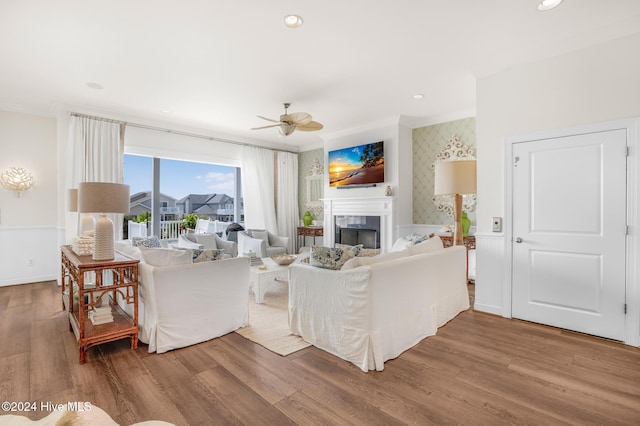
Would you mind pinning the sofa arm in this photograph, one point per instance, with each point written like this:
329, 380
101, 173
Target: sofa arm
229, 247
248, 244
278, 241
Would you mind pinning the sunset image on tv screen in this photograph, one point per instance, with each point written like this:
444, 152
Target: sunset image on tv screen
358, 165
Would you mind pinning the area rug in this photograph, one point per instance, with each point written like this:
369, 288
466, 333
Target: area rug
269, 322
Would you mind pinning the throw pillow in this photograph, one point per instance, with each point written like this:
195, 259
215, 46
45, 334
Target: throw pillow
207, 255
131, 251
331, 258
427, 246
149, 242
362, 260
166, 257
208, 241
362, 252
355, 249
261, 235
326, 257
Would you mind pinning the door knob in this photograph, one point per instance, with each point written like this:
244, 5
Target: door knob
518, 240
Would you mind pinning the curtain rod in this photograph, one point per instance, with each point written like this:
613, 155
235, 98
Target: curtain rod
176, 132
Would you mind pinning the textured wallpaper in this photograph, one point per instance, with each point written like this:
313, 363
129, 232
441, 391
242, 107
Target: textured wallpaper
304, 165
427, 143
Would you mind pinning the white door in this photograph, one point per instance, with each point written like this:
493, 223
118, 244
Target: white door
569, 233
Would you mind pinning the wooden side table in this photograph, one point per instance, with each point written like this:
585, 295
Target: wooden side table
115, 280
469, 242
308, 231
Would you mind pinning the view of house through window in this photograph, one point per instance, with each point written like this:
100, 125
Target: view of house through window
188, 190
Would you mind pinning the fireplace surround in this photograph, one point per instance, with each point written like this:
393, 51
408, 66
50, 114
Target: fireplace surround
370, 214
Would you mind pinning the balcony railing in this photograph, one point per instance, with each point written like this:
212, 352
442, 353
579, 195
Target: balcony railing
169, 229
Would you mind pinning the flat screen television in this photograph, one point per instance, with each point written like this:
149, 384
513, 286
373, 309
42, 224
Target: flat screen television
361, 165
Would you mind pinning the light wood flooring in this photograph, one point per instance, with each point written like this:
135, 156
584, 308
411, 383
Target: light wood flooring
479, 370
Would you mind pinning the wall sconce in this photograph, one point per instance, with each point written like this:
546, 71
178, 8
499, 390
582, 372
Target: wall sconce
17, 179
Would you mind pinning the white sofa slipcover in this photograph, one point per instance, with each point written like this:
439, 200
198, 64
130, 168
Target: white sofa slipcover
372, 313
183, 305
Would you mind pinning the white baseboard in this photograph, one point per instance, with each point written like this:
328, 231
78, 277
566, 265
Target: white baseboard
495, 310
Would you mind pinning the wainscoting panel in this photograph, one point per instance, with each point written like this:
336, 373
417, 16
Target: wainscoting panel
490, 274
29, 254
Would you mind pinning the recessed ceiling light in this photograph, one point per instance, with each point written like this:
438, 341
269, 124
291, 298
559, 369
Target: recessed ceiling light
418, 96
292, 21
166, 111
548, 4
95, 86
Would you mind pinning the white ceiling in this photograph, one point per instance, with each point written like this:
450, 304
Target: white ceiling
217, 64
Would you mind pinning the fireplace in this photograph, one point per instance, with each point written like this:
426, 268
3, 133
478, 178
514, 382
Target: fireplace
354, 230
368, 221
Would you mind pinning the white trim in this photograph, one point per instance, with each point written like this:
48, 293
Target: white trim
632, 126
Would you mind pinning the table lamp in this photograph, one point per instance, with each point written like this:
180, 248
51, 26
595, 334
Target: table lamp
455, 178
87, 222
103, 198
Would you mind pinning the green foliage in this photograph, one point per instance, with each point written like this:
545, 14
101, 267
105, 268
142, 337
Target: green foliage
190, 220
372, 155
144, 217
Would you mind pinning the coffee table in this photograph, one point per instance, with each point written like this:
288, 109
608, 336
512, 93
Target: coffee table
260, 278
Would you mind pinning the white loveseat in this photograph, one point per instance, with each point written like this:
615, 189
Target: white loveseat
185, 304
374, 312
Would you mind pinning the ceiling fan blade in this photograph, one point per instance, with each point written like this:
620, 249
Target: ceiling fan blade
311, 127
268, 119
265, 127
297, 118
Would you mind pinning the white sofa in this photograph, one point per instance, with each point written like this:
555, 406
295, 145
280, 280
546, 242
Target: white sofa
185, 304
372, 313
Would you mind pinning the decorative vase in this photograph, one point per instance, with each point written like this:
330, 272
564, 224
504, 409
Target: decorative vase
466, 224
307, 218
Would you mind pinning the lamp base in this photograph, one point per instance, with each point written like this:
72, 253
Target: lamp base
103, 240
457, 217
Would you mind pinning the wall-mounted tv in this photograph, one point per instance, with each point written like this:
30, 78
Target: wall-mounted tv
361, 165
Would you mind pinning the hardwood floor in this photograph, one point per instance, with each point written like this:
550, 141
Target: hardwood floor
479, 370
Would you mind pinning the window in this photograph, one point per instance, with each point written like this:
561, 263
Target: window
208, 190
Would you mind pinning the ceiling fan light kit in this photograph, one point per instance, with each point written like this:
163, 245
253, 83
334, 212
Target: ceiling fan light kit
289, 123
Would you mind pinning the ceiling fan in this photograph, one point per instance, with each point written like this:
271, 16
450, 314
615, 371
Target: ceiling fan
288, 123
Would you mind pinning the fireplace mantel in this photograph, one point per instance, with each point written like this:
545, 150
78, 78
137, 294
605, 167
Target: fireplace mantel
366, 206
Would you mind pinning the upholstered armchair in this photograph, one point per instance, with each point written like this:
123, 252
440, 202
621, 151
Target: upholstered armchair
262, 243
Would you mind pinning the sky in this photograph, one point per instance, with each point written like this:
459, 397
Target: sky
178, 178
345, 159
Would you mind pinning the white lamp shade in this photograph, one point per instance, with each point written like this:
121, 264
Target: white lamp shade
455, 177
72, 199
103, 197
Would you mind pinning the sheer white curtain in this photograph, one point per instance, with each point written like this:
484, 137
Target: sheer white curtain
258, 188
287, 206
95, 154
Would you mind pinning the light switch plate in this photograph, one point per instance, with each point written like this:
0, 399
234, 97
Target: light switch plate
497, 224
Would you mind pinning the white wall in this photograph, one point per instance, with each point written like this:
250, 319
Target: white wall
28, 224
600, 83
